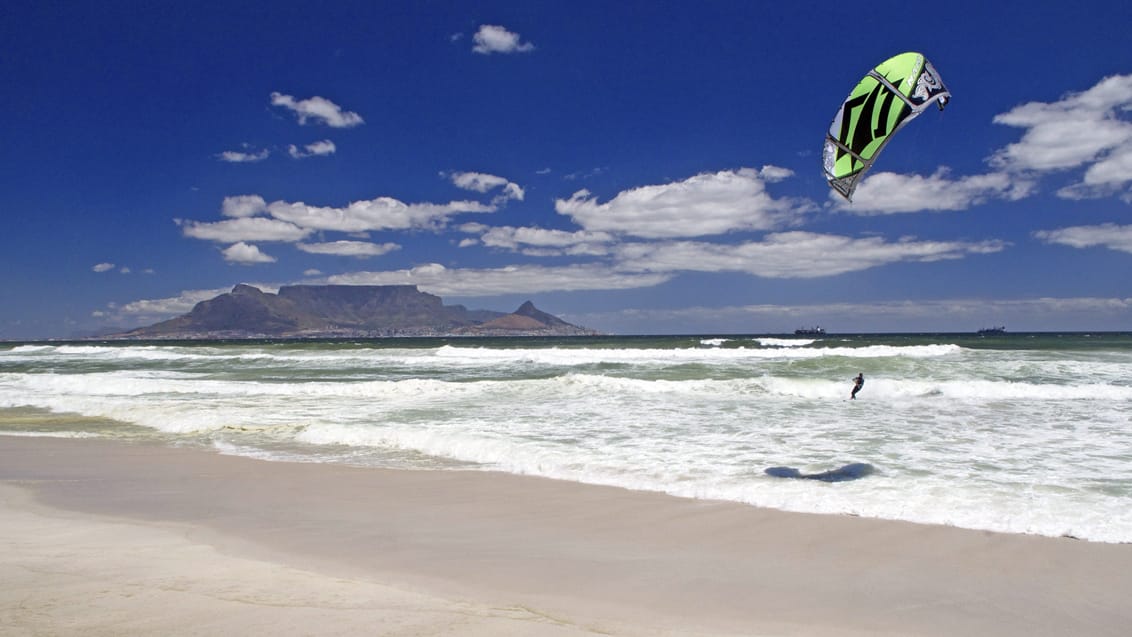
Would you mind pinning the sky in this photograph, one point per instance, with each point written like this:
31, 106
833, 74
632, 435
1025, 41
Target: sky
633, 167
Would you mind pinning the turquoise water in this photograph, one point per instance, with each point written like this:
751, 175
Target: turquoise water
1020, 433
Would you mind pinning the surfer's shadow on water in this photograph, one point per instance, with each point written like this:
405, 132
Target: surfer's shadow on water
847, 473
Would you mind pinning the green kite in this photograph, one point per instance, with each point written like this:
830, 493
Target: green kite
890, 96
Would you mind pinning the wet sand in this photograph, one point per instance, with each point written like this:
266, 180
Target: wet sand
110, 538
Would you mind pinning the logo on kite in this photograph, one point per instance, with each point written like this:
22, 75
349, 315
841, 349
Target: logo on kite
890, 96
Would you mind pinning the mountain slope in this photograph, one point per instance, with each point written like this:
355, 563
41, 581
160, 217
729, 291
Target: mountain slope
311, 311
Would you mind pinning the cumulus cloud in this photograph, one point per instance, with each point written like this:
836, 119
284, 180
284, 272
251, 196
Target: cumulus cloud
521, 279
1110, 175
544, 242
1107, 235
706, 204
246, 254
382, 213
152, 310
103, 267
244, 229
170, 306
1088, 129
483, 183
317, 109
890, 193
791, 255
478, 182
252, 219
359, 249
243, 206
496, 39
245, 156
315, 149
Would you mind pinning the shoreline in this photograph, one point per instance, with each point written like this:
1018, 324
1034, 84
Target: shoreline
478, 553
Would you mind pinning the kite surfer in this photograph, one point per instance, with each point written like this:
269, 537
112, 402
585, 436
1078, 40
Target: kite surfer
858, 383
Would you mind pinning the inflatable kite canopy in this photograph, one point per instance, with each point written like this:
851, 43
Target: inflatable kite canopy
890, 96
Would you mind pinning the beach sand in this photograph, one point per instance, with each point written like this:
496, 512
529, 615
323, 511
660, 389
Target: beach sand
111, 538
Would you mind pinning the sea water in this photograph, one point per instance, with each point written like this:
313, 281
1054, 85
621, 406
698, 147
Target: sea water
1018, 433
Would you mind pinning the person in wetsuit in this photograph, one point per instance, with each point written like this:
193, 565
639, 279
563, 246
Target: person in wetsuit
858, 383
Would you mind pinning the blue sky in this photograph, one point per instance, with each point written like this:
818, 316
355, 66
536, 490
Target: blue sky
635, 167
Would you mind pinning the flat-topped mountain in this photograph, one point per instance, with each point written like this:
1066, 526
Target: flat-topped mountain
313, 311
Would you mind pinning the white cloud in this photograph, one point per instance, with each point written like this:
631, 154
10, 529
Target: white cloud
318, 109
1109, 176
1089, 129
775, 174
706, 204
243, 206
889, 193
315, 149
293, 222
243, 229
544, 242
246, 254
511, 191
360, 249
482, 183
496, 39
382, 213
103, 267
170, 306
245, 156
791, 255
151, 310
584, 175
523, 279
1108, 235
478, 182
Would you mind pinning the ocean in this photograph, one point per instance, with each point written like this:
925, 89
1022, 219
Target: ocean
1016, 433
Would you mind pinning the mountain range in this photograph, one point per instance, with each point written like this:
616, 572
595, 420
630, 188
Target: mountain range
359, 311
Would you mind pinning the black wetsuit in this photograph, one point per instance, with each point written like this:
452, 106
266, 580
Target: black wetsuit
858, 383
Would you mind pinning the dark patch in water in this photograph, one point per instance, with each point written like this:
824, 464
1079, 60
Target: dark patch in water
852, 471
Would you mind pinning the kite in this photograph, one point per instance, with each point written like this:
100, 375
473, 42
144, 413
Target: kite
890, 96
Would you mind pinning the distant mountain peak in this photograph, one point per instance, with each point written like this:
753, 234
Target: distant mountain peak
244, 288
320, 311
528, 309
528, 320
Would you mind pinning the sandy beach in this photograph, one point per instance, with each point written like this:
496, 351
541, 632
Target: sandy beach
108, 538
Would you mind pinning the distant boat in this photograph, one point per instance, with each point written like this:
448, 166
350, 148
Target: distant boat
1001, 329
810, 331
